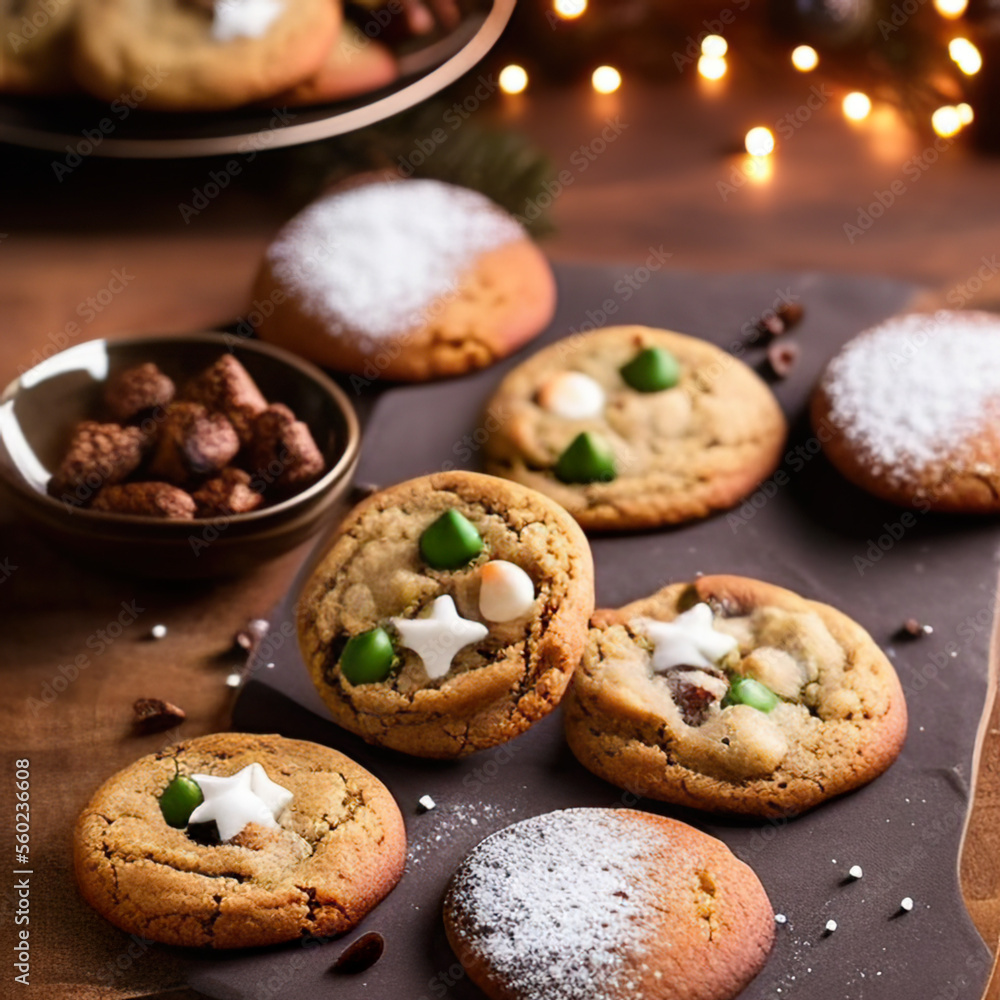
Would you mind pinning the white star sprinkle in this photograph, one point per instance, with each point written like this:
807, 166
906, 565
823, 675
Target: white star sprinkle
249, 796
689, 640
439, 637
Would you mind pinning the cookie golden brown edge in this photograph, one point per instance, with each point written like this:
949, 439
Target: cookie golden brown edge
335, 851
669, 713
510, 614
607, 904
631, 427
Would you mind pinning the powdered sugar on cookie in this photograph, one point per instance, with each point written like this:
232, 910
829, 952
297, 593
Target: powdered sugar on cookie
234, 19
553, 902
375, 258
911, 392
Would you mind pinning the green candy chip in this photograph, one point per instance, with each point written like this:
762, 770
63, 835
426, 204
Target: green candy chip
179, 799
588, 459
747, 691
368, 657
652, 370
450, 542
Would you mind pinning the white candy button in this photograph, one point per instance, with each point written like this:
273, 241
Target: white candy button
572, 395
505, 591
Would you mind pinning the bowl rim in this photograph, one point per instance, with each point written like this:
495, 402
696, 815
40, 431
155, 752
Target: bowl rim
344, 465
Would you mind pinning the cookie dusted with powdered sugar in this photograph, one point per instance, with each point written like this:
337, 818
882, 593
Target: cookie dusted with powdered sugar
910, 411
607, 904
411, 280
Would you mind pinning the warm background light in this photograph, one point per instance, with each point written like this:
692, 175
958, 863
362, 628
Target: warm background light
712, 67
805, 58
714, 45
606, 79
513, 79
951, 8
965, 113
966, 55
759, 141
946, 121
857, 106
569, 9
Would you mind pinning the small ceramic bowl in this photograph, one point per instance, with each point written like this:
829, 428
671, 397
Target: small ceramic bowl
39, 410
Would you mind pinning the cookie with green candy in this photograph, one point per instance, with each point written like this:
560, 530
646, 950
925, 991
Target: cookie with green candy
238, 840
734, 695
631, 427
448, 614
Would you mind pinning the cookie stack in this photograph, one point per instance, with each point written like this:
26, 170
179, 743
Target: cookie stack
191, 55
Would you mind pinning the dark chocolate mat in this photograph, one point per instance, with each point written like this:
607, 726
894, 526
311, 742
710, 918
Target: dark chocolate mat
807, 530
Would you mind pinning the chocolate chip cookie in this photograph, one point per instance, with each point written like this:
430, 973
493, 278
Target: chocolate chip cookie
199, 55
734, 695
313, 843
404, 279
607, 904
910, 411
631, 427
448, 614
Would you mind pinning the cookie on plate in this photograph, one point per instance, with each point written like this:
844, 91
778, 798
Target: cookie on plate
200, 55
404, 279
236, 840
910, 411
734, 695
630, 427
448, 614
35, 42
607, 904
355, 64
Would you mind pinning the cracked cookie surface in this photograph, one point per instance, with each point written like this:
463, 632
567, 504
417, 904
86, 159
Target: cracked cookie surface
607, 904
339, 849
681, 452
837, 720
497, 686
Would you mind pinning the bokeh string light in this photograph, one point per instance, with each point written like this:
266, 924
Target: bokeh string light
857, 106
759, 141
606, 79
805, 58
513, 79
569, 10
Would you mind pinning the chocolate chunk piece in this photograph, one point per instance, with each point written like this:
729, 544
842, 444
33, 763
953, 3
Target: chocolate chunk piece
282, 449
226, 387
134, 391
360, 954
192, 442
98, 455
694, 690
153, 715
227, 493
148, 499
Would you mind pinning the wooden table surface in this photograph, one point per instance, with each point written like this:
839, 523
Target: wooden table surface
657, 180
